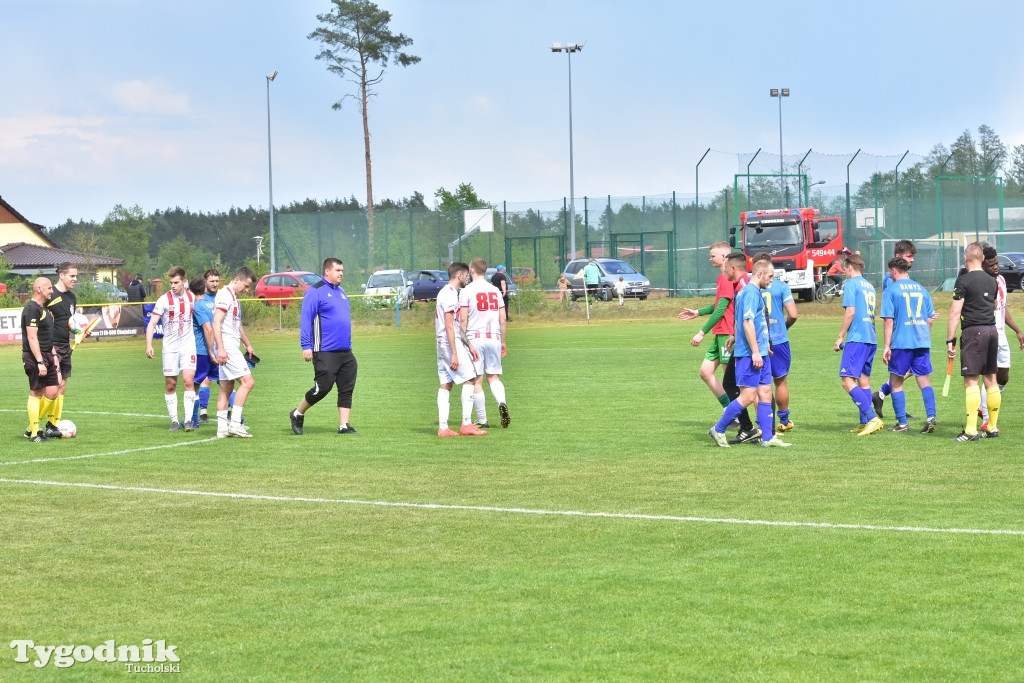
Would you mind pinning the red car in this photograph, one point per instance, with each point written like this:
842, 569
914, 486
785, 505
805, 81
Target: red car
289, 284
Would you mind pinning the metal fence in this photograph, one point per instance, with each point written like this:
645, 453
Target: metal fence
665, 236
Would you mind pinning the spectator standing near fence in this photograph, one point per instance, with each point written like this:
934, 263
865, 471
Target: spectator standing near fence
592, 278
325, 335
563, 288
500, 280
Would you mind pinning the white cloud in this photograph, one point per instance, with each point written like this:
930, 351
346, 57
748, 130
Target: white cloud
150, 98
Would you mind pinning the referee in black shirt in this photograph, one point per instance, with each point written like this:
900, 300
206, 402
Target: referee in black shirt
62, 307
37, 356
973, 308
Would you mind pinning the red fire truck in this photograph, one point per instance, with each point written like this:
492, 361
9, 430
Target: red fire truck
801, 243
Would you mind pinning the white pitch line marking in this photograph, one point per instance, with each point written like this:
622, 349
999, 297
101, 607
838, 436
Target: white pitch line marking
524, 511
101, 455
90, 412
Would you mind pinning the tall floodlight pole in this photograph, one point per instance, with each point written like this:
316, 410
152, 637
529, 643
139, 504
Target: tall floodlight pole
270, 177
780, 93
568, 49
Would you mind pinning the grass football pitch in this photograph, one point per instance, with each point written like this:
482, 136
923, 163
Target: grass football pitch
602, 536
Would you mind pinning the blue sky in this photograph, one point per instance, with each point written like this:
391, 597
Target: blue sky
164, 104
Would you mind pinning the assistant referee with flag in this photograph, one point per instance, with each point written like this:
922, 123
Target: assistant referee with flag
325, 333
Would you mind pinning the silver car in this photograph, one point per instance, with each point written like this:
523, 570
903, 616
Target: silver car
612, 269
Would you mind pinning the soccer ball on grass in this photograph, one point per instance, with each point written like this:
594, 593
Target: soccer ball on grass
67, 429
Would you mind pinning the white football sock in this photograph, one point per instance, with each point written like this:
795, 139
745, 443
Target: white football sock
443, 408
222, 420
172, 405
480, 404
236, 415
467, 403
190, 404
498, 390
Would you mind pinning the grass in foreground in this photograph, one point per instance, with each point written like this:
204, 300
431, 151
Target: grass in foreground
607, 418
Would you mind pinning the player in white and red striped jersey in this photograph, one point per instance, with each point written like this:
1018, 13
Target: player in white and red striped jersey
174, 311
228, 333
482, 314
455, 355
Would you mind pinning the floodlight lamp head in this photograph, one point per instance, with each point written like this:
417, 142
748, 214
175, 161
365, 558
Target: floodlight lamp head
556, 47
785, 92
272, 76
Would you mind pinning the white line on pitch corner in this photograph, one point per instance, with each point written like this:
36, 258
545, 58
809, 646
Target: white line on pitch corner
523, 511
101, 455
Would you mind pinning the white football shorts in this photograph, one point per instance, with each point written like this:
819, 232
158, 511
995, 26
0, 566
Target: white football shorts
176, 362
490, 355
466, 371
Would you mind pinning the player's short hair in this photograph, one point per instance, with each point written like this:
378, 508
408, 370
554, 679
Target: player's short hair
989, 252
899, 264
211, 272
737, 258
456, 268
478, 265
197, 285
904, 247
763, 266
65, 267
719, 245
973, 253
176, 271
245, 273
762, 256
330, 262
854, 261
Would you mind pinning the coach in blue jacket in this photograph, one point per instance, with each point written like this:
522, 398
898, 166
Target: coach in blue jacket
325, 334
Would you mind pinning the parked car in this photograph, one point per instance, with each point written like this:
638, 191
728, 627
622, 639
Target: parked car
611, 269
1011, 267
521, 275
291, 283
427, 283
513, 289
110, 290
384, 285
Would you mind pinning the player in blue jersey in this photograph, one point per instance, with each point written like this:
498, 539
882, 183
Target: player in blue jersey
202, 322
780, 309
752, 352
907, 312
906, 250
861, 343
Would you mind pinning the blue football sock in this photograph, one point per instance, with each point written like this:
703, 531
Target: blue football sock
204, 397
886, 389
784, 417
899, 406
928, 393
765, 420
730, 413
862, 398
